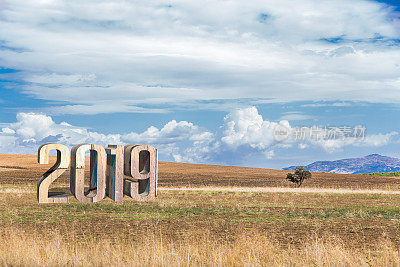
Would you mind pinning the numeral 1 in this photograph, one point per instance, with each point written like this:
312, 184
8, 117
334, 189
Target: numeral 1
115, 172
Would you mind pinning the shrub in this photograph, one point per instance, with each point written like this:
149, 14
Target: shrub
299, 175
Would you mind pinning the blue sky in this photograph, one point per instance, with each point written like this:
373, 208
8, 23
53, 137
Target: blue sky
204, 83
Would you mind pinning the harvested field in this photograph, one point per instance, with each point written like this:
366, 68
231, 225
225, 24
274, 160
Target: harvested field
204, 215
201, 175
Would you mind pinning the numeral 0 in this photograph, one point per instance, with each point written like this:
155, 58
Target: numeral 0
107, 168
97, 191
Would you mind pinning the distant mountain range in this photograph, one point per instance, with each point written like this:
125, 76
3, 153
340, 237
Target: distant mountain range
367, 164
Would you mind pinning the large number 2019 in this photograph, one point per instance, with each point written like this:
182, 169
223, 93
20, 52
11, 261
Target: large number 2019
107, 169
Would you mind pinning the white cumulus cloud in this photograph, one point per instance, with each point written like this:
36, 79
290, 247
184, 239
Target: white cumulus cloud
247, 127
373, 140
243, 137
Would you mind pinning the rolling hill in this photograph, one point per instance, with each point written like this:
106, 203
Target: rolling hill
367, 164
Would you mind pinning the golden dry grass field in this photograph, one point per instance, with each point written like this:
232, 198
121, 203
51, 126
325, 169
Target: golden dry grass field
204, 215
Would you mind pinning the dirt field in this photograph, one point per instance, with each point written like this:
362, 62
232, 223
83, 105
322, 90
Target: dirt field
24, 169
334, 219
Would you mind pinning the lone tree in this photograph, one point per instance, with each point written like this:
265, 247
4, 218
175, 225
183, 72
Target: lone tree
299, 175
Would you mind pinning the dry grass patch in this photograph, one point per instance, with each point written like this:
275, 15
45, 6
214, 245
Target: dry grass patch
20, 248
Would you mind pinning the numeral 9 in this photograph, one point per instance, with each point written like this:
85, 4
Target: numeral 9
141, 165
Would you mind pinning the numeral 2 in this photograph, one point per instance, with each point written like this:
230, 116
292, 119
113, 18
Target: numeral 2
61, 165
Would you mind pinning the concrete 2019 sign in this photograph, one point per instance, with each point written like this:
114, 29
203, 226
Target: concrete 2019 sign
107, 169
